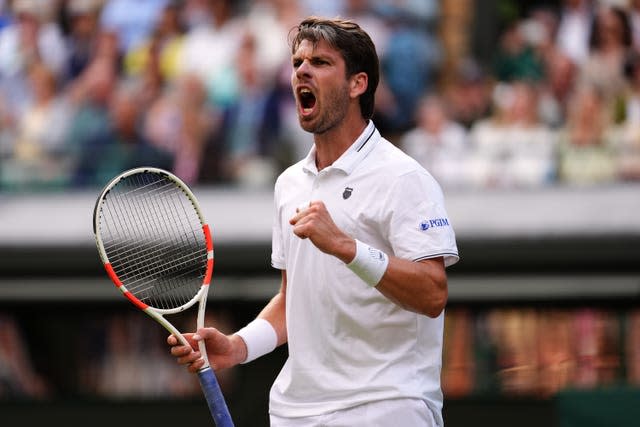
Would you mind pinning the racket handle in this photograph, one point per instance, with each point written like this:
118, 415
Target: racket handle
215, 399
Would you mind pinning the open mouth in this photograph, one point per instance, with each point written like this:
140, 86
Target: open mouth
307, 100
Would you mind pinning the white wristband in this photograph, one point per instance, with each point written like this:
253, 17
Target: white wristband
369, 263
259, 337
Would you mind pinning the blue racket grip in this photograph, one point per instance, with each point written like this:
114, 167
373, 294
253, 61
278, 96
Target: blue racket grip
215, 399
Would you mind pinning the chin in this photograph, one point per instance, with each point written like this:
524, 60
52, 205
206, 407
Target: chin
307, 124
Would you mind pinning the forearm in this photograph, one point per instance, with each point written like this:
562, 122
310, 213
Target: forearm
274, 313
420, 287
268, 330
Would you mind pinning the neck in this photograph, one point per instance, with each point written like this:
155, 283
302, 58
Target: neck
332, 144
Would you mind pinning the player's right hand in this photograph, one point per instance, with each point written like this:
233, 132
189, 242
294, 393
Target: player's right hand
223, 351
186, 355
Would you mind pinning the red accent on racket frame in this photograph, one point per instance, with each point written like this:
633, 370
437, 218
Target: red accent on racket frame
135, 301
207, 277
207, 237
114, 278
112, 275
209, 242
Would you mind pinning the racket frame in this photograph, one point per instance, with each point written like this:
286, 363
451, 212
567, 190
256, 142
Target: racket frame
158, 313
211, 388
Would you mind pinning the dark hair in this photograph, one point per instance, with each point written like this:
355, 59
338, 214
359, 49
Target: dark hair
625, 27
354, 44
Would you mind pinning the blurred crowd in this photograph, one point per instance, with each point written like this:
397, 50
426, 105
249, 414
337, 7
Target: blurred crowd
516, 351
89, 88
539, 351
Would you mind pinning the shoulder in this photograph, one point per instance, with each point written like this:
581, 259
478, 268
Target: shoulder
398, 173
291, 176
391, 161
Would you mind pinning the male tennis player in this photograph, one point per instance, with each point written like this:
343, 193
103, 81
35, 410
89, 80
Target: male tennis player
362, 238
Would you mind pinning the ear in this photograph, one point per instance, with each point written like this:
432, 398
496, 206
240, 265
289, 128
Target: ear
358, 84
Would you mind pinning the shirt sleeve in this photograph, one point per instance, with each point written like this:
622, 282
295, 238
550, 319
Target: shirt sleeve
277, 242
419, 227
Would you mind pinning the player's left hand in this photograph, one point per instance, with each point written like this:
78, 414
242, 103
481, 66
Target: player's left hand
315, 223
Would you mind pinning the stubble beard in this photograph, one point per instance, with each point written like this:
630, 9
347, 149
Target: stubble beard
331, 117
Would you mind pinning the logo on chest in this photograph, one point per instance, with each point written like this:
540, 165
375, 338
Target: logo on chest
347, 192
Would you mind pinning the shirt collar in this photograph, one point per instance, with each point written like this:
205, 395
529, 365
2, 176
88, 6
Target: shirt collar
348, 161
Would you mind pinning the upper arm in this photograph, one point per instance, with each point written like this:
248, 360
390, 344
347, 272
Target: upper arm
418, 286
435, 269
434, 283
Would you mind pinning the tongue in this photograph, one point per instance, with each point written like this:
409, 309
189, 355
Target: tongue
307, 104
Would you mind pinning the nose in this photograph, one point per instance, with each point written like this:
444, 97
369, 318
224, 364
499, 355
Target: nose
303, 70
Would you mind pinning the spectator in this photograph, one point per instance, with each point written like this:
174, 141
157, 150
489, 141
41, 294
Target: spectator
89, 96
439, 144
513, 148
209, 50
409, 65
251, 123
516, 58
132, 20
82, 37
155, 62
160, 51
181, 123
365, 13
279, 16
634, 22
468, 93
628, 141
458, 360
556, 88
556, 359
126, 361
30, 38
513, 334
596, 340
585, 144
119, 145
19, 378
40, 158
609, 45
574, 29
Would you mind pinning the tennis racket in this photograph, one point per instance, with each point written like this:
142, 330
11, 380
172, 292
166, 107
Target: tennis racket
158, 250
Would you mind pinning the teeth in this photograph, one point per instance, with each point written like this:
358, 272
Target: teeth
305, 91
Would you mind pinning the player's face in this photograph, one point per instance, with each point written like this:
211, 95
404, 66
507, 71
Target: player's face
320, 86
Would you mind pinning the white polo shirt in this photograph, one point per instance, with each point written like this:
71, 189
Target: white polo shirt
348, 344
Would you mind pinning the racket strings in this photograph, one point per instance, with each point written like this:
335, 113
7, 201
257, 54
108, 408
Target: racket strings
153, 237
163, 260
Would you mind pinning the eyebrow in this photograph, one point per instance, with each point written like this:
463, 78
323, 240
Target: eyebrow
314, 57
327, 56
